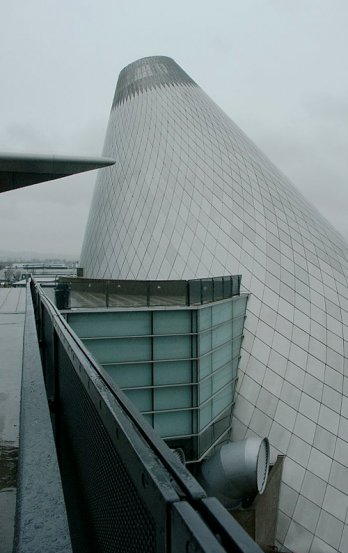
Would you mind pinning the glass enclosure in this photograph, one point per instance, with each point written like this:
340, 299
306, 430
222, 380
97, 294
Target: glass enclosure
178, 365
87, 292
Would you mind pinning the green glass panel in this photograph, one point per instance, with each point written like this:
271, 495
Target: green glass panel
222, 400
204, 342
221, 424
194, 390
149, 419
168, 292
236, 344
239, 306
121, 349
204, 390
235, 363
207, 290
194, 320
222, 378
137, 374
234, 387
173, 424
222, 355
227, 286
194, 346
88, 294
195, 292
132, 323
142, 399
177, 397
205, 415
129, 293
237, 327
172, 322
172, 372
218, 288
236, 280
221, 312
222, 334
205, 440
204, 318
204, 366
172, 347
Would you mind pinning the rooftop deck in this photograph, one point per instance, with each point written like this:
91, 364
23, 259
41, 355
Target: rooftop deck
12, 317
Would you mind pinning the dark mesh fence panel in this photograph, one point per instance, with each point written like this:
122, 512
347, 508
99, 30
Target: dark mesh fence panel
105, 510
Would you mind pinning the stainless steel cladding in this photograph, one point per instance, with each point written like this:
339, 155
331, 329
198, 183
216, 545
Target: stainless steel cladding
191, 196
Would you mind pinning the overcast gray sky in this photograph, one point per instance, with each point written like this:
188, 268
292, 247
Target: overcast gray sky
279, 69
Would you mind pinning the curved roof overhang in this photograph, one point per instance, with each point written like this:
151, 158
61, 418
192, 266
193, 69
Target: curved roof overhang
20, 170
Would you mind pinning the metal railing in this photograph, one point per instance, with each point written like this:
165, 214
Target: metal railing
86, 292
124, 488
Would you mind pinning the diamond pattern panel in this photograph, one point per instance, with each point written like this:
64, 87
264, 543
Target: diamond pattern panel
191, 196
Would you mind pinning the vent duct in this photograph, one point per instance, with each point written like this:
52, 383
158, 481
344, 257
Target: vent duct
237, 471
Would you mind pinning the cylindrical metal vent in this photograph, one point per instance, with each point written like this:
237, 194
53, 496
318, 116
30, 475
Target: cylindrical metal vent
263, 465
237, 471
179, 455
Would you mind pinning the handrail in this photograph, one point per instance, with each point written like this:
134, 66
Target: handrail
149, 293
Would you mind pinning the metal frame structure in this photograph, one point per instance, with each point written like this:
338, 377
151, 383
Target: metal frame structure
124, 488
